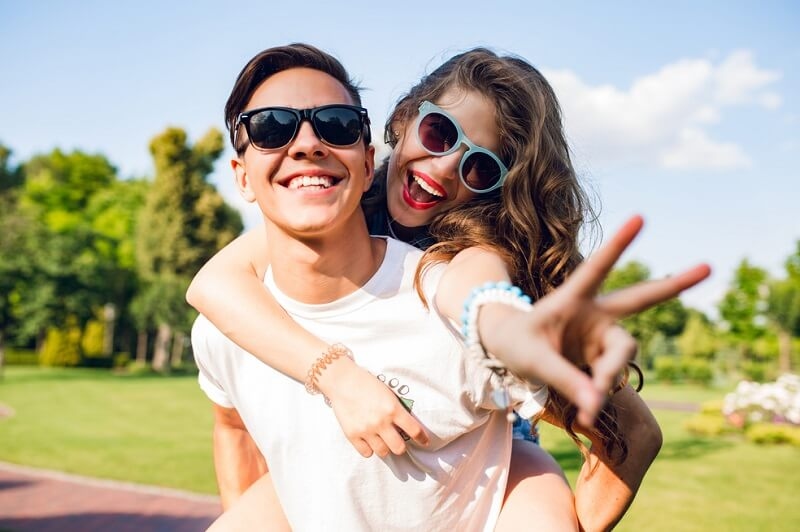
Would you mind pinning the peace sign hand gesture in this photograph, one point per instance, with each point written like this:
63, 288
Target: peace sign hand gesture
573, 326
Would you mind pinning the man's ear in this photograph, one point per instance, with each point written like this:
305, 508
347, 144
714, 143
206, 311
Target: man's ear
369, 166
242, 181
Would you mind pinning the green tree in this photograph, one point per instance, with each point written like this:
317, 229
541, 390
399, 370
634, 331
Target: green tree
783, 308
13, 264
668, 318
113, 213
69, 276
183, 222
11, 177
698, 339
742, 308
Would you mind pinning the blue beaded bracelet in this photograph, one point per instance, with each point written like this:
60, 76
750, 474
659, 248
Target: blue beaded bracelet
500, 292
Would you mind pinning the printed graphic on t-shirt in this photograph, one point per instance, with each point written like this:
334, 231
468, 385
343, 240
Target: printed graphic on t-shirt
400, 390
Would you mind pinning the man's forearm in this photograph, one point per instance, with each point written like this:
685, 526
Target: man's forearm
237, 461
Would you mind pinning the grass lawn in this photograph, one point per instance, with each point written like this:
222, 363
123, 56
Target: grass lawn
701, 484
157, 430
146, 429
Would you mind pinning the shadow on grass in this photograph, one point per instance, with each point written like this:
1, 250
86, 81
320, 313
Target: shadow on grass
690, 448
570, 458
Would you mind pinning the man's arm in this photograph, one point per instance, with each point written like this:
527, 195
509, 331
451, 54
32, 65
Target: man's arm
237, 460
604, 490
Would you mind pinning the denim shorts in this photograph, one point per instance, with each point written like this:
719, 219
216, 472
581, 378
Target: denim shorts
523, 430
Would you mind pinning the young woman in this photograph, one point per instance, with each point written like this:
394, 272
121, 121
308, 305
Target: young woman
480, 165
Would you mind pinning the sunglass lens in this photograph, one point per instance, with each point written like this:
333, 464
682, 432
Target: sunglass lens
437, 133
338, 126
272, 128
480, 171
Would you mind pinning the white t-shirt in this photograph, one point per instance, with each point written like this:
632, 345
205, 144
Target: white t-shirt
455, 483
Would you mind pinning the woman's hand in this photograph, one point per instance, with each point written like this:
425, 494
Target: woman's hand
370, 414
574, 326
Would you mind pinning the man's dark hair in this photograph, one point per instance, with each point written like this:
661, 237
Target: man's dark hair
270, 62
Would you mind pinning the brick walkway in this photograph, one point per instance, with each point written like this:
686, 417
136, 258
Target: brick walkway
48, 501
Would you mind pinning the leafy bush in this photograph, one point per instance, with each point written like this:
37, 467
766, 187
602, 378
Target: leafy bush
705, 424
121, 360
92, 341
773, 433
712, 407
755, 371
21, 357
666, 369
698, 370
62, 346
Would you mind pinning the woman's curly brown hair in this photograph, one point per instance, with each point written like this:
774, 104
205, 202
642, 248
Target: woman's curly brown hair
533, 221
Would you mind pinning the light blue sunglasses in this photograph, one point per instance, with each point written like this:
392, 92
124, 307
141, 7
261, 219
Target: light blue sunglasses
480, 170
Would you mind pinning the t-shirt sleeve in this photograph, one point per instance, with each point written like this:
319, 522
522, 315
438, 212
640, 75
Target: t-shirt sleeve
206, 346
481, 381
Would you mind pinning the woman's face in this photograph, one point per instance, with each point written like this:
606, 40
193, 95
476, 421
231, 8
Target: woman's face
421, 185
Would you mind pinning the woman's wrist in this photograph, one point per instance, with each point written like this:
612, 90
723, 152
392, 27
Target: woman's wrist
334, 372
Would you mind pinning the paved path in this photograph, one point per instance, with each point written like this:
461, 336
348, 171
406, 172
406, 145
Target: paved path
47, 501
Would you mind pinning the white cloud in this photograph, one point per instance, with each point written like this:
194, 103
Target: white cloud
695, 150
661, 119
738, 80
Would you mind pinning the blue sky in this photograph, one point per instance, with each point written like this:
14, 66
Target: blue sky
685, 113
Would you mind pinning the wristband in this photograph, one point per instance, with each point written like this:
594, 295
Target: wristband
501, 292
330, 354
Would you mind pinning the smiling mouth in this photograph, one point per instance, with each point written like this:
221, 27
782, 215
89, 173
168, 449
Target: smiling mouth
421, 193
314, 182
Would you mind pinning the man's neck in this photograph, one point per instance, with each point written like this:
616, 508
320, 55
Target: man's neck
325, 268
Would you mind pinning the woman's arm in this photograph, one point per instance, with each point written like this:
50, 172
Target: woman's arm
229, 292
569, 326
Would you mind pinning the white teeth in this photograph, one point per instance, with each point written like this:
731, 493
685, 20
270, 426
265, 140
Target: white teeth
311, 181
426, 187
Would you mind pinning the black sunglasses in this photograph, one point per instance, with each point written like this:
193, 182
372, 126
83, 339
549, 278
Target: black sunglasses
337, 125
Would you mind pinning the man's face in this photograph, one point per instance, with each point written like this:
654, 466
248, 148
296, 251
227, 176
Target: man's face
307, 188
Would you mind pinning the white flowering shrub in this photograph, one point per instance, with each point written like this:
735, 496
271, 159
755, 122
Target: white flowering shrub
771, 402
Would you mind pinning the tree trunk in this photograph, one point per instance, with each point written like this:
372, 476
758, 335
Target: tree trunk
178, 343
160, 352
141, 348
109, 318
2, 354
784, 351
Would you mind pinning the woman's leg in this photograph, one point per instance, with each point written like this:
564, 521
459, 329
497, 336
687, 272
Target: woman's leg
538, 496
256, 509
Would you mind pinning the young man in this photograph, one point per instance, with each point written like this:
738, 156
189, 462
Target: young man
303, 156
348, 287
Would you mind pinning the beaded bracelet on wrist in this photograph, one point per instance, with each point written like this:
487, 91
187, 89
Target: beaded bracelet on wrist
330, 354
500, 292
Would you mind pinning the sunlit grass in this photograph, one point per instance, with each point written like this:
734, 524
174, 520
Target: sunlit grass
157, 430
148, 429
700, 484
